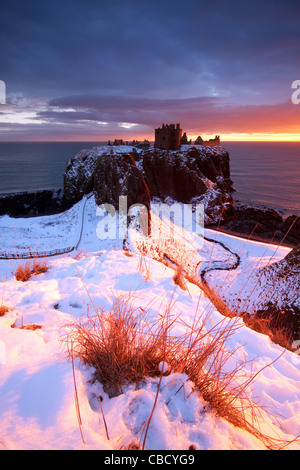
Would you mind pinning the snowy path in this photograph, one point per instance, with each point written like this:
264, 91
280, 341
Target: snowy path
30, 254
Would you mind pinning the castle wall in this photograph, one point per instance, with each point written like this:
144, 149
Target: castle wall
168, 137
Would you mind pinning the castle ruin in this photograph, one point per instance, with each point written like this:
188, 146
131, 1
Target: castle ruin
168, 137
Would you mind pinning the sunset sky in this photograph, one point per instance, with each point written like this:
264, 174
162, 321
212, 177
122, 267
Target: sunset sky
96, 69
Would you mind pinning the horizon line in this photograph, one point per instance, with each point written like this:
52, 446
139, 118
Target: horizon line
141, 140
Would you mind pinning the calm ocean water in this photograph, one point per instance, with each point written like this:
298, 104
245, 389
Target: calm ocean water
264, 173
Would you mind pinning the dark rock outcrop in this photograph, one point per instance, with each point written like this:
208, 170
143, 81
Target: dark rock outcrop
170, 175
118, 175
32, 204
78, 176
264, 223
291, 227
192, 175
281, 307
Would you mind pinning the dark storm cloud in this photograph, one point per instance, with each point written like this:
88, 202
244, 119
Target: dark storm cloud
207, 114
130, 109
138, 61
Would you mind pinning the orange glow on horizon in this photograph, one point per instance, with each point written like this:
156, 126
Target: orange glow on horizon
260, 137
255, 138
233, 137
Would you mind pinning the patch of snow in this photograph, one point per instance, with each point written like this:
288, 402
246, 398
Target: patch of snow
37, 404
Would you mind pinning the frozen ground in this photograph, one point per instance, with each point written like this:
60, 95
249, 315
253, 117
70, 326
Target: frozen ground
37, 407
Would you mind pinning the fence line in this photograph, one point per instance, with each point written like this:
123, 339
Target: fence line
40, 254
46, 254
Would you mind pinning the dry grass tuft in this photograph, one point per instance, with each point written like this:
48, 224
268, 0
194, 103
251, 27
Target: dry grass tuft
3, 310
144, 267
179, 278
121, 344
125, 347
278, 334
39, 267
24, 272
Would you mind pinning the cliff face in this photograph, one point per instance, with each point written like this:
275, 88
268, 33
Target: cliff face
279, 294
190, 175
265, 224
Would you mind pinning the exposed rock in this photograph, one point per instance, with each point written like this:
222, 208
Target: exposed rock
170, 175
264, 223
245, 218
78, 177
193, 175
184, 139
32, 204
281, 305
291, 227
118, 175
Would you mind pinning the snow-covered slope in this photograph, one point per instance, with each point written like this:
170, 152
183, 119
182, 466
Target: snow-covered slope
37, 405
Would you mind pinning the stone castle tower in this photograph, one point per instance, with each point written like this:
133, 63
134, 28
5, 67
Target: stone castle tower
168, 137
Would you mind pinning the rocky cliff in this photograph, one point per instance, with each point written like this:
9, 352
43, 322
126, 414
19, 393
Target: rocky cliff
264, 224
279, 294
190, 175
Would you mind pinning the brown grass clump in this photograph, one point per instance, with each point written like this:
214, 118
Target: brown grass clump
24, 272
144, 267
120, 344
279, 334
3, 310
39, 267
125, 347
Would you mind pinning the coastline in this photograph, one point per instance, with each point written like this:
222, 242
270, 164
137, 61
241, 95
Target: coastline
272, 227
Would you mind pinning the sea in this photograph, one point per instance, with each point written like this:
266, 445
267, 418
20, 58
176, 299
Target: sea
264, 174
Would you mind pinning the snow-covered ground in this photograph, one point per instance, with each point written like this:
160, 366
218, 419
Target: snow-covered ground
248, 287
37, 406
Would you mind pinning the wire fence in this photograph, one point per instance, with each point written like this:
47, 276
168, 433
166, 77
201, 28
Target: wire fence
46, 254
34, 254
